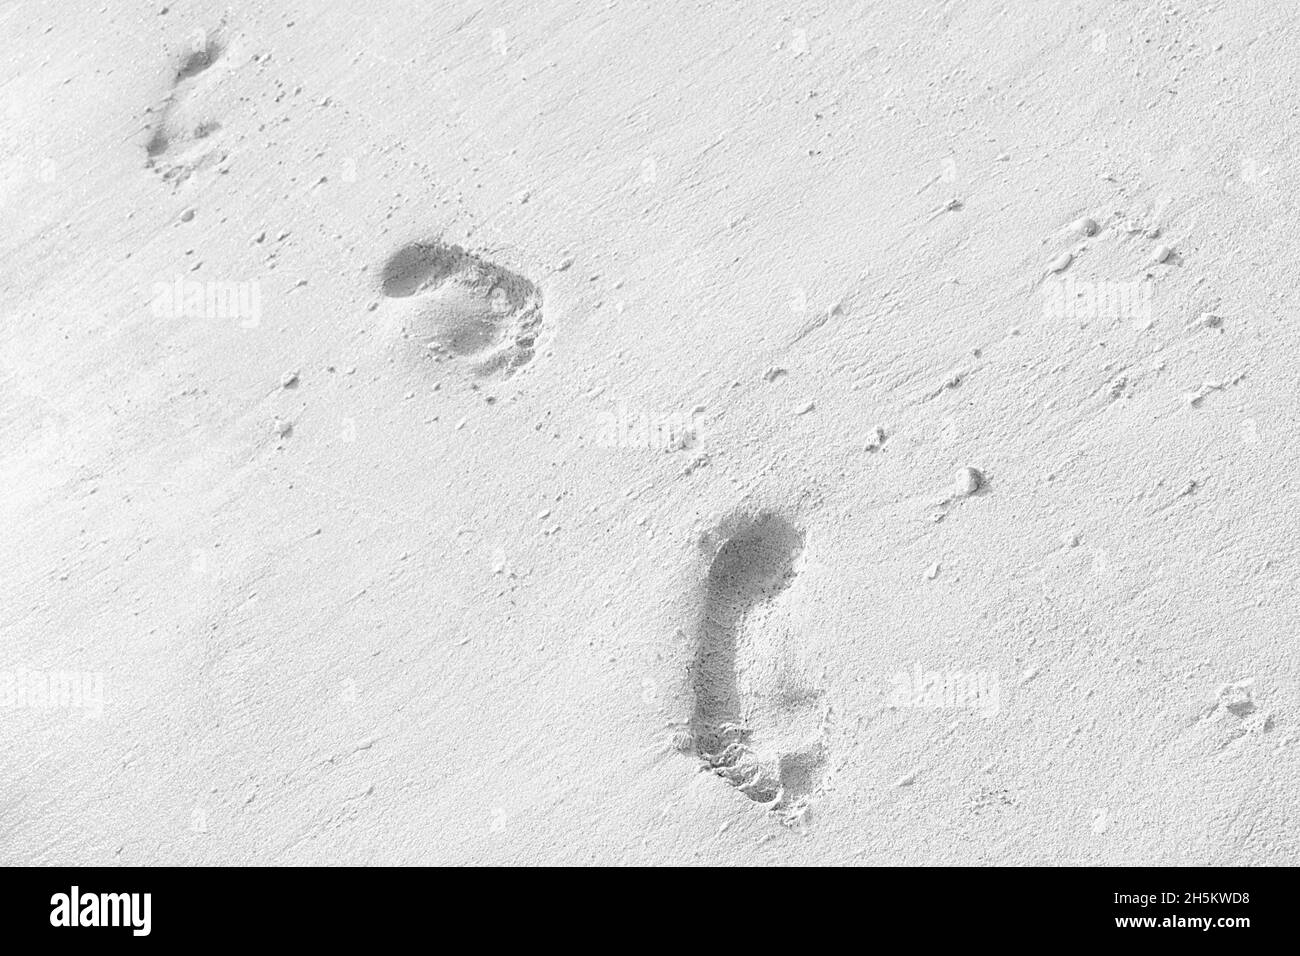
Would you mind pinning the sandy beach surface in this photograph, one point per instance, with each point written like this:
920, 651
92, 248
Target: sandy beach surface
649, 433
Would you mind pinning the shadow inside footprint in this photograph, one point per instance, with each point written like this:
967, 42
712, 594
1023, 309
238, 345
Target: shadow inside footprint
158, 143
752, 566
763, 741
465, 306
198, 60
414, 267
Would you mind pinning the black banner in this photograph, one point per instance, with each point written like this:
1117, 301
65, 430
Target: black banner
133, 906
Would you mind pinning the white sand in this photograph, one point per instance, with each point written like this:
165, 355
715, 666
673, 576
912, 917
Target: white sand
640, 352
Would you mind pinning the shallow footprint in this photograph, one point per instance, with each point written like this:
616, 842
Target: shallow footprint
757, 722
465, 307
182, 142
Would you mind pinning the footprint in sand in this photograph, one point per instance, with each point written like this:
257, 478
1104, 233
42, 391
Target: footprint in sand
461, 306
757, 721
183, 140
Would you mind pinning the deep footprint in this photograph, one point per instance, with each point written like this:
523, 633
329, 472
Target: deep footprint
465, 307
756, 722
